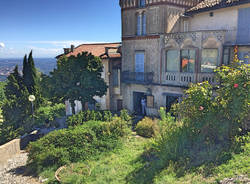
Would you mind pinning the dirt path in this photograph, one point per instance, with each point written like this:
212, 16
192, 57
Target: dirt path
14, 171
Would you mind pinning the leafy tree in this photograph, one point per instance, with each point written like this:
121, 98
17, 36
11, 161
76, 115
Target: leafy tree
78, 78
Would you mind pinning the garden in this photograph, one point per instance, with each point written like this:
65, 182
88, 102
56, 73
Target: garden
206, 141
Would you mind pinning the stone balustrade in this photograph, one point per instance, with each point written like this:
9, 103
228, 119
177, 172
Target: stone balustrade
184, 79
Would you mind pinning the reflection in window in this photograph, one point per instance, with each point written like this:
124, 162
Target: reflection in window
209, 60
173, 61
188, 60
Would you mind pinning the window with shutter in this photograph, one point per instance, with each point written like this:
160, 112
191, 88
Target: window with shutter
243, 33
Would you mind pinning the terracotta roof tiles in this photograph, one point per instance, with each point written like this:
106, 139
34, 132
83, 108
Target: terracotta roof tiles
97, 49
207, 5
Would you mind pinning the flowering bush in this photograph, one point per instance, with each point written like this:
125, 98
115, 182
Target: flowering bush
217, 113
210, 117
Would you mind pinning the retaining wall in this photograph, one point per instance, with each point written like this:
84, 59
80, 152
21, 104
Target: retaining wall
9, 150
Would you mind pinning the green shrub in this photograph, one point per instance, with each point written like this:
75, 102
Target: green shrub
84, 116
49, 113
76, 143
126, 117
147, 127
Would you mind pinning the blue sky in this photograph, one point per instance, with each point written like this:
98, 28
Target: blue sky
47, 26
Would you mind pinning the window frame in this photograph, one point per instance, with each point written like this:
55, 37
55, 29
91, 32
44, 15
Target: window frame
180, 59
217, 58
166, 60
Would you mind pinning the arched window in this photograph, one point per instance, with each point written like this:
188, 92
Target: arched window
144, 24
139, 24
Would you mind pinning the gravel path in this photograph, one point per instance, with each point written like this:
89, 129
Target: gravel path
14, 171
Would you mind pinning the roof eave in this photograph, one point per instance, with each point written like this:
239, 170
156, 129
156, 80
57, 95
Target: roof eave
216, 7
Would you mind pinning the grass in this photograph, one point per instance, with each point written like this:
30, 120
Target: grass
125, 165
111, 168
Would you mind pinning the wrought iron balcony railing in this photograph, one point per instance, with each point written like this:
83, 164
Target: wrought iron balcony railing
138, 77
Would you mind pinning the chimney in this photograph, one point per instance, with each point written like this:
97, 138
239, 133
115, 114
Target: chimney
66, 50
72, 47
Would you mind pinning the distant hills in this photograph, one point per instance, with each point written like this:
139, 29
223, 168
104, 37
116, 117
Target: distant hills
45, 65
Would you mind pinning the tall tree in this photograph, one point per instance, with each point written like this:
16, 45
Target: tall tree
30, 74
25, 68
79, 78
16, 107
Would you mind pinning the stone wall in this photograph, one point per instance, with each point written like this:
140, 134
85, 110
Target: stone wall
9, 150
160, 19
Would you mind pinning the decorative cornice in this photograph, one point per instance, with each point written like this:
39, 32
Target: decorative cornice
148, 37
133, 4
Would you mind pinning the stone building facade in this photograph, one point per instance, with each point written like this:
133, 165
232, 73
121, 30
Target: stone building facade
169, 44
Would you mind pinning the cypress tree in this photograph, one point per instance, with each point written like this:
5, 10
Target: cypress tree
25, 69
30, 75
15, 108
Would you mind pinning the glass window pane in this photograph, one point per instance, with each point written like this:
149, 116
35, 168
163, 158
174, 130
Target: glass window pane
144, 24
209, 60
139, 25
188, 60
191, 63
173, 61
184, 60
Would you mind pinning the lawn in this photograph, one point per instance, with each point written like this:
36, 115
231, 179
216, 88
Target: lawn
125, 165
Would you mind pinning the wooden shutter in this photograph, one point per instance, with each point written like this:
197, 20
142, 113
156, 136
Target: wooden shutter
243, 34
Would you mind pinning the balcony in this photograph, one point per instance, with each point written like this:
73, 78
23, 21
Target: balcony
137, 77
184, 79
197, 37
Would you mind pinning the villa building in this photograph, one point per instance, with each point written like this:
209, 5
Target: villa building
168, 44
110, 54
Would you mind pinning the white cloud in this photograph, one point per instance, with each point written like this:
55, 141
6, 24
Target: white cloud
63, 43
2, 45
40, 48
